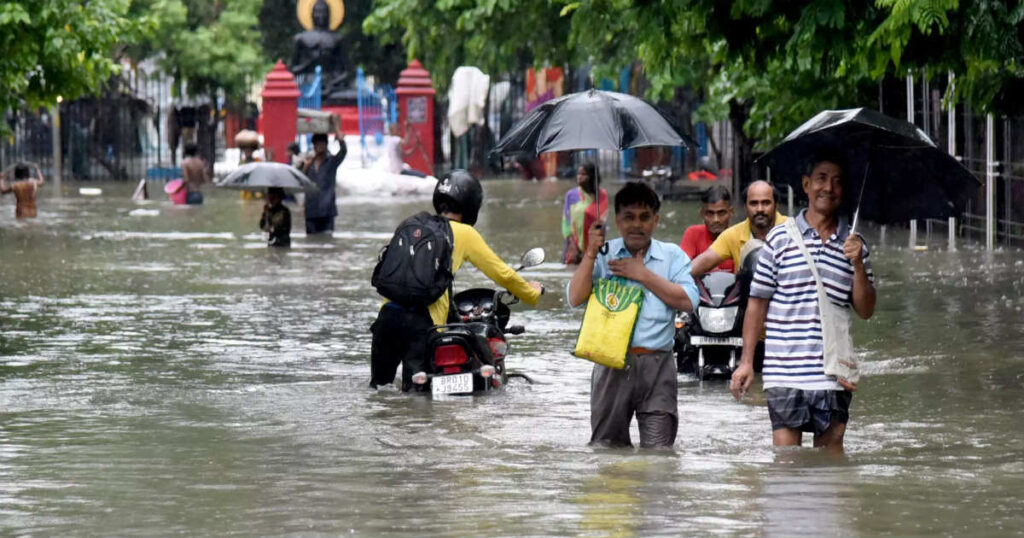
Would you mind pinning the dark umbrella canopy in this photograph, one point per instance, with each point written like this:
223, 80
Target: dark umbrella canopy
593, 119
263, 175
903, 174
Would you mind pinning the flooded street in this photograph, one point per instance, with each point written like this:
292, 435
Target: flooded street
167, 374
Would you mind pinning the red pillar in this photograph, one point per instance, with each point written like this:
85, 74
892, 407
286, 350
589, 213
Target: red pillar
416, 116
280, 112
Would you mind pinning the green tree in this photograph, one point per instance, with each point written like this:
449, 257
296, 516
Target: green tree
764, 66
61, 48
494, 35
212, 49
767, 65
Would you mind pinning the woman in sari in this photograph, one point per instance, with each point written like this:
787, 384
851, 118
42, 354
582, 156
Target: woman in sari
580, 211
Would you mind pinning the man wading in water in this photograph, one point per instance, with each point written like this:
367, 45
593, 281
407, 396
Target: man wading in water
649, 387
800, 396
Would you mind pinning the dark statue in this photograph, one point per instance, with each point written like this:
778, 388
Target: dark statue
322, 47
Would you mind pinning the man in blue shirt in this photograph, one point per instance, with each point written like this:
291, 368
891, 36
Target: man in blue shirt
648, 388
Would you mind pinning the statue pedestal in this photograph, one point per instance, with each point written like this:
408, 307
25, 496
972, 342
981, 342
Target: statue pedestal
416, 116
280, 112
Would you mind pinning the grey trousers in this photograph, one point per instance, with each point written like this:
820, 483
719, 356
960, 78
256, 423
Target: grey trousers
648, 389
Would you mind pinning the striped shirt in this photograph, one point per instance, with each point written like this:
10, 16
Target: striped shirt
793, 345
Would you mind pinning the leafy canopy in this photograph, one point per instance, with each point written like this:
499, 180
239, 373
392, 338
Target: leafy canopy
494, 35
61, 48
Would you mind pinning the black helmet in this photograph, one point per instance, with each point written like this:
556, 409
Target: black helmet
459, 192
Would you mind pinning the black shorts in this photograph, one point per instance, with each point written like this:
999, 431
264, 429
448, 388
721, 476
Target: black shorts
807, 410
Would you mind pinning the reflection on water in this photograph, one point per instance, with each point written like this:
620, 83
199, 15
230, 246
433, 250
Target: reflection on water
163, 373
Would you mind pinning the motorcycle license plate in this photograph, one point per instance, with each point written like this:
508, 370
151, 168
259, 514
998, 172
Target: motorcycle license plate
451, 384
733, 341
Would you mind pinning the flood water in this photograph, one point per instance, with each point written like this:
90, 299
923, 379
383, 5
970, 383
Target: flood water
165, 373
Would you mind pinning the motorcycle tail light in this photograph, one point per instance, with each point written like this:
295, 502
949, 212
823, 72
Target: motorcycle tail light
498, 347
450, 355
486, 370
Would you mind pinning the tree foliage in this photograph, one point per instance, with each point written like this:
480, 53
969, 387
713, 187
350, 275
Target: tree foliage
62, 48
208, 46
765, 65
494, 35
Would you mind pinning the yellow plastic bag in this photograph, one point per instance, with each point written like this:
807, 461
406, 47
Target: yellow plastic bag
608, 323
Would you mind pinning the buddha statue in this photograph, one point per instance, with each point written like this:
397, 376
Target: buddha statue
319, 46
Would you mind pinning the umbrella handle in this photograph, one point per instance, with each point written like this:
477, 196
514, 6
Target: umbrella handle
604, 248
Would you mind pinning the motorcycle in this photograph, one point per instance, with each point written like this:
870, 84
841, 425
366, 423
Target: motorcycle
467, 355
709, 342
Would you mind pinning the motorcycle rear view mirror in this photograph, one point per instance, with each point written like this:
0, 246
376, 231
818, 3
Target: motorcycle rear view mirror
531, 258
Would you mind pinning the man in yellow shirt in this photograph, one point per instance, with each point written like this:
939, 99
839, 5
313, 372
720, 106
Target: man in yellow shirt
762, 215
400, 332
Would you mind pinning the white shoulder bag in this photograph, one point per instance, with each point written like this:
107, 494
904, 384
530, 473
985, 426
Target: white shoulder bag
835, 321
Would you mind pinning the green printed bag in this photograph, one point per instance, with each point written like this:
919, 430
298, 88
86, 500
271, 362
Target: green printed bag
608, 322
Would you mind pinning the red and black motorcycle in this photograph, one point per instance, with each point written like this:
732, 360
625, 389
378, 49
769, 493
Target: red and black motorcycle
467, 355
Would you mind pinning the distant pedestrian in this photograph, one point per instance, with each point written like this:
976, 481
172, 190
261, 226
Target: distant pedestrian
276, 219
716, 212
322, 168
193, 174
783, 299
248, 143
583, 207
24, 188
295, 155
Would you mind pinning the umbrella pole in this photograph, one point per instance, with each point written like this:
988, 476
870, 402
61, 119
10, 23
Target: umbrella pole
597, 196
856, 212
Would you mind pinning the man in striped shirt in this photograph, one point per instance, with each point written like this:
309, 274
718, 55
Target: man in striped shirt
800, 396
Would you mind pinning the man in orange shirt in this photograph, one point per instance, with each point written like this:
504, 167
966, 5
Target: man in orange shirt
24, 189
716, 210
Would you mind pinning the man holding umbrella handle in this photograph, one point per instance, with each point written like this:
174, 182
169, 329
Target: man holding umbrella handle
800, 396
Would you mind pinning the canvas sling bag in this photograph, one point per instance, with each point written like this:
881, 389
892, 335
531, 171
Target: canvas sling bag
839, 359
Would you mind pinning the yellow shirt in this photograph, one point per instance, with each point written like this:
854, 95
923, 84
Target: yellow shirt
471, 247
730, 242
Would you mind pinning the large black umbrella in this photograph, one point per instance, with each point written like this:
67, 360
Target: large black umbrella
894, 170
264, 175
593, 119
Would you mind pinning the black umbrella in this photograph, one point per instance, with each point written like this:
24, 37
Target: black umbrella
264, 175
593, 119
895, 173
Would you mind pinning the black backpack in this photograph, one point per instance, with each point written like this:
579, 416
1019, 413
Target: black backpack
415, 269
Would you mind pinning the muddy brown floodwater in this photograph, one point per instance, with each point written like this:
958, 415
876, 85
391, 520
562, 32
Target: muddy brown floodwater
163, 373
